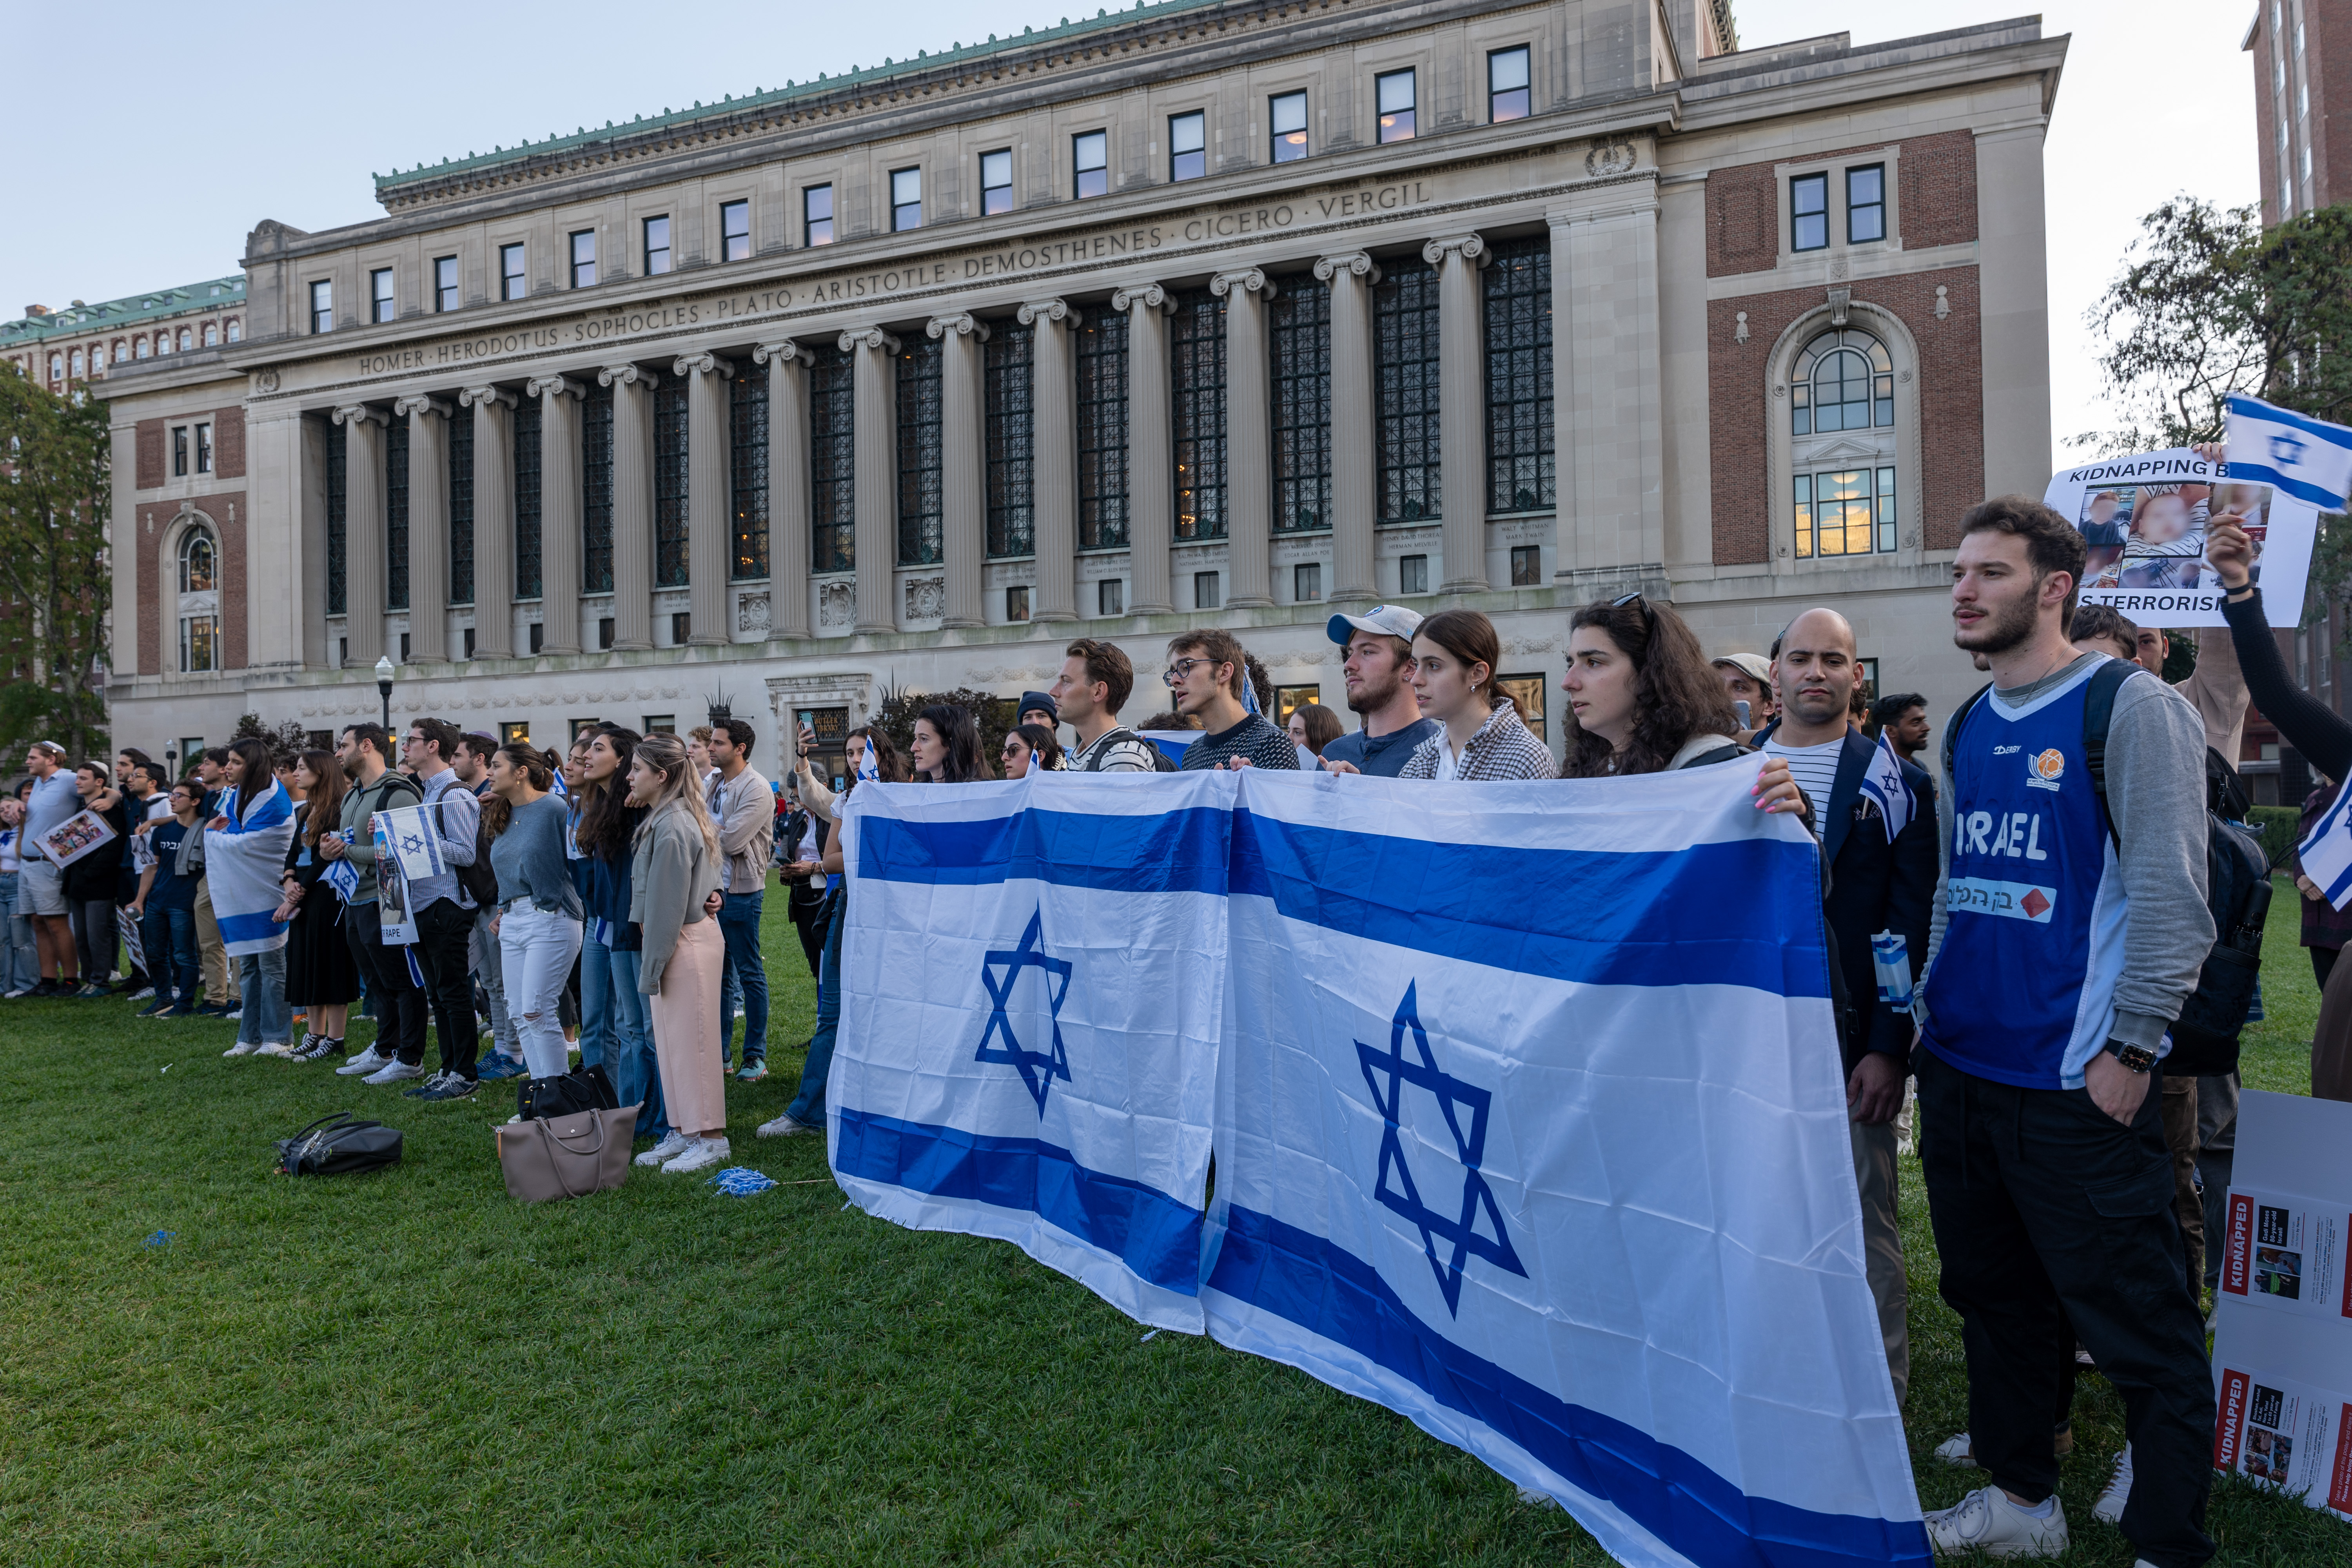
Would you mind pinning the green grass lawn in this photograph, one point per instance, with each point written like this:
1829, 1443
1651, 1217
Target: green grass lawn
410, 1368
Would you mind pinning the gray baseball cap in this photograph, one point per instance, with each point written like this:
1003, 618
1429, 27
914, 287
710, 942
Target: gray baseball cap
1381, 620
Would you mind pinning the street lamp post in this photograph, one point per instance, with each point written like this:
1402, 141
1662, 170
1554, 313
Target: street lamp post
384, 688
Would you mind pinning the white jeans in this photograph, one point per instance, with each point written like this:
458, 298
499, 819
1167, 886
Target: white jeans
536, 948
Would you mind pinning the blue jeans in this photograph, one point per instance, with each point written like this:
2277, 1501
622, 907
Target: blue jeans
261, 981
20, 964
739, 923
168, 937
808, 1106
624, 1036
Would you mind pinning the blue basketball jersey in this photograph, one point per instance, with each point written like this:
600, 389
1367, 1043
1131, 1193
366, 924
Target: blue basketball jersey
2022, 989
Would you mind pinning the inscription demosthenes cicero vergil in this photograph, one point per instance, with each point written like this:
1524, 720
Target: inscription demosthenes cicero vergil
886, 280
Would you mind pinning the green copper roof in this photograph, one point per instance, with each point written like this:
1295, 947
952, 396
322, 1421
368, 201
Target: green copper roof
729, 107
76, 321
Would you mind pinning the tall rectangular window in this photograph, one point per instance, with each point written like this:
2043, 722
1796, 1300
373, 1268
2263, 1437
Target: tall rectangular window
670, 458
1009, 391
527, 578
395, 515
996, 181
1507, 92
1286, 118
596, 491
179, 451
322, 306
512, 284
833, 463
1404, 367
816, 216
906, 199
922, 539
583, 258
445, 283
205, 447
1301, 386
1809, 212
1101, 355
1521, 475
747, 461
656, 246
1204, 591
1865, 203
1090, 158
461, 509
1196, 363
338, 522
735, 231
1395, 94
383, 305
1188, 145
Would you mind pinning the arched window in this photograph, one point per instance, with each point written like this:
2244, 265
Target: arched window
186, 341
199, 602
77, 363
1844, 447
57, 367
212, 335
162, 343
1842, 380
122, 351
236, 330
139, 347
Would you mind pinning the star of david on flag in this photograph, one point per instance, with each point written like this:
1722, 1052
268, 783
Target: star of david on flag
2308, 459
413, 841
1038, 1069
1458, 1102
1882, 782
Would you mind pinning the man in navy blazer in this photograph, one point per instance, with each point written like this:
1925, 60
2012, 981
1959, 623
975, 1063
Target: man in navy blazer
1877, 882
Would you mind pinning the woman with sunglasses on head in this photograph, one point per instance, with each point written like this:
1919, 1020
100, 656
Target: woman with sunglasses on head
1480, 736
1031, 745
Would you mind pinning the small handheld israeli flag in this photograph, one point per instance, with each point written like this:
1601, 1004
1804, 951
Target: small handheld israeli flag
1882, 782
343, 877
2327, 855
2308, 459
1890, 957
409, 832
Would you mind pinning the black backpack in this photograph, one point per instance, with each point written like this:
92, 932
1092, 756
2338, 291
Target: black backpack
2237, 887
481, 883
338, 1146
1161, 762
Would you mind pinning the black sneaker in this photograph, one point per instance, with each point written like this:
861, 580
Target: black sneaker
426, 1090
47, 987
314, 1047
452, 1086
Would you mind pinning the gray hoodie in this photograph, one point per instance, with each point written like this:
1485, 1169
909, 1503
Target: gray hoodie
671, 872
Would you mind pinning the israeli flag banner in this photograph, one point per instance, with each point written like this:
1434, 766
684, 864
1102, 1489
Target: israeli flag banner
2308, 459
2327, 854
1882, 782
408, 831
1032, 990
1531, 1128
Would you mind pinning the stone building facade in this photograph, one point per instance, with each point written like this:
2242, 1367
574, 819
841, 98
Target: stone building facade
80, 343
1201, 314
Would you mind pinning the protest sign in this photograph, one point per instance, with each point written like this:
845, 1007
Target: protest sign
391, 886
2145, 518
2286, 1253
2286, 1436
76, 836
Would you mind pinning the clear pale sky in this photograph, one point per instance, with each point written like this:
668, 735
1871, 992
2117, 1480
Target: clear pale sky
157, 138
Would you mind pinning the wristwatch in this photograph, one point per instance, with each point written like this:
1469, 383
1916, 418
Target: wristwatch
2136, 1058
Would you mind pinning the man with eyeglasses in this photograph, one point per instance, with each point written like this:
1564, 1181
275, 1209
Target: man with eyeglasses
1205, 672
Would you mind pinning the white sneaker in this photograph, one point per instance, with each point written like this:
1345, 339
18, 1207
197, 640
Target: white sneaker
1986, 1520
398, 1072
145, 995
238, 1049
2109, 1508
367, 1061
273, 1048
1958, 1451
672, 1145
700, 1154
787, 1126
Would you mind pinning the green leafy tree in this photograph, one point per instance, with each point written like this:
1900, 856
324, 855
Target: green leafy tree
55, 586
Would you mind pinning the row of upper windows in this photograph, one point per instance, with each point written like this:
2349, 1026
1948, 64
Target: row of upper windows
1396, 94
75, 364
1866, 208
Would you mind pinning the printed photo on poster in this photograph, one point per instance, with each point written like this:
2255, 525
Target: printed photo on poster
391, 888
2146, 518
2286, 1435
76, 836
2287, 1253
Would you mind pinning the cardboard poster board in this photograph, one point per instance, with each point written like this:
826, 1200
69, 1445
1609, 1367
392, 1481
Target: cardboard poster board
2145, 518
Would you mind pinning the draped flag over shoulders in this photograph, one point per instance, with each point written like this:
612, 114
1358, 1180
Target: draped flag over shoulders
1032, 994
242, 864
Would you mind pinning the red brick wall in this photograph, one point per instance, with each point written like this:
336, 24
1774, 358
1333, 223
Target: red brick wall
150, 441
228, 443
1936, 197
1951, 403
159, 644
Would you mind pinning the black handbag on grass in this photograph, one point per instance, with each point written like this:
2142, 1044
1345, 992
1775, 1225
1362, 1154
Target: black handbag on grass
565, 1094
338, 1145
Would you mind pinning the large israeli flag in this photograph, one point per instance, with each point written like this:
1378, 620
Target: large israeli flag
1531, 1128
1032, 988
2309, 458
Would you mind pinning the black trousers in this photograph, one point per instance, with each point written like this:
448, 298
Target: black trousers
807, 913
399, 1004
2054, 1221
445, 941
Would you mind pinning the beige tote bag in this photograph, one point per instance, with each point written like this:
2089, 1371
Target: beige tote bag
567, 1156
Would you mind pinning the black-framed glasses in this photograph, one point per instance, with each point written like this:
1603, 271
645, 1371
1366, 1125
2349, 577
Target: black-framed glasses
1176, 673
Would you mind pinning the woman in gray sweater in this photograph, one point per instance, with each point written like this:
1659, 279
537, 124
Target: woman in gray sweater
539, 920
673, 893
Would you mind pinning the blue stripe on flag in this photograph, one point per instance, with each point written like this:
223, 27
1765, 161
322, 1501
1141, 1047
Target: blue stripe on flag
254, 927
1332, 1293
1157, 1236
2246, 407
2301, 490
1164, 852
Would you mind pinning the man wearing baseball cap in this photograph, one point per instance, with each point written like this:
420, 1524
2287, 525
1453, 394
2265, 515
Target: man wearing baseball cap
1380, 654
41, 888
1749, 677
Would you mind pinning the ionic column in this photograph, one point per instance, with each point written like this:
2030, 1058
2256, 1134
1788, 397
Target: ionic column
428, 526
1461, 410
964, 456
1054, 461
363, 504
874, 416
1355, 429
1150, 456
633, 504
710, 497
788, 486
1249, 437
562, 519
494, 519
